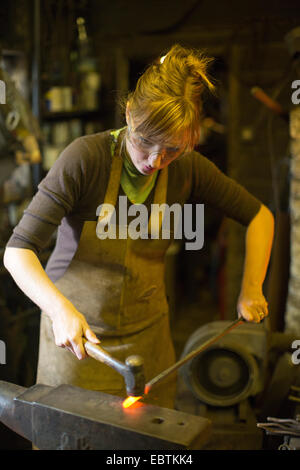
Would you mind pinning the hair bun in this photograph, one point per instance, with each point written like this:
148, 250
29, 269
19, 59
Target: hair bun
190, 61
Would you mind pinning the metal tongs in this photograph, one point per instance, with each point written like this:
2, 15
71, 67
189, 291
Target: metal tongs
281, 426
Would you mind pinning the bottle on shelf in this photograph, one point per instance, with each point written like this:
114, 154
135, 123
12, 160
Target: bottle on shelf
89, 77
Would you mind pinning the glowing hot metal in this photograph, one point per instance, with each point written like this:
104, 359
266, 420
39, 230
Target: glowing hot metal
130, 401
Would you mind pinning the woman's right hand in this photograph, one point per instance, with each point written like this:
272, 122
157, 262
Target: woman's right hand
69, 325
69, 328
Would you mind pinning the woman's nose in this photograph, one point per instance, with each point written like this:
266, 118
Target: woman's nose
155, 158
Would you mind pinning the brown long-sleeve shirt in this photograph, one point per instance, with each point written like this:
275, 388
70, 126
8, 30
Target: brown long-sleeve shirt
75, 186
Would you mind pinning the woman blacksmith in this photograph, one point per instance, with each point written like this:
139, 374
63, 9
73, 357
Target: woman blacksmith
112, 290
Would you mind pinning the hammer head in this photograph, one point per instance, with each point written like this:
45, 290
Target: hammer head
135, 377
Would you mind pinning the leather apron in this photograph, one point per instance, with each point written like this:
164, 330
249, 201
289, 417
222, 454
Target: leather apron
118, 285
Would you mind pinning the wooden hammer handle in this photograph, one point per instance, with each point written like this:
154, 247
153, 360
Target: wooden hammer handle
96, 352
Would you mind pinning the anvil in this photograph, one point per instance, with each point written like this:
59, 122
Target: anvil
72, 418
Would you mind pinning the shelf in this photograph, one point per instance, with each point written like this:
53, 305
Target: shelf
64, 115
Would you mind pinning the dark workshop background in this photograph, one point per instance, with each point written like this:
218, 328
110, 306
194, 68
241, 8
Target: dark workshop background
40, 42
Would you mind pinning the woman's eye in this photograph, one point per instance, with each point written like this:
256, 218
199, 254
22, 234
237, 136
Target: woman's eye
144, 141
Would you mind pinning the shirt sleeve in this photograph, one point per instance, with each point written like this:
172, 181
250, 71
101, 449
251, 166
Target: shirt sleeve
211, 186
57, 195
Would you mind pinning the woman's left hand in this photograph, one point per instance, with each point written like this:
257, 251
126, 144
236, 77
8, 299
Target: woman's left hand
252, 306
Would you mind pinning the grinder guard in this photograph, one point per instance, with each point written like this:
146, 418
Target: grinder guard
230, 370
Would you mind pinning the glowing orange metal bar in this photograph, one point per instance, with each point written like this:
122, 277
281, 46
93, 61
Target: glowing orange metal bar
130, 401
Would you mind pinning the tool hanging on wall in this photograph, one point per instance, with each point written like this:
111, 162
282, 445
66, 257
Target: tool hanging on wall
269, 102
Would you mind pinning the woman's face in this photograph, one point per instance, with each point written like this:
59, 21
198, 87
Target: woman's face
148, 156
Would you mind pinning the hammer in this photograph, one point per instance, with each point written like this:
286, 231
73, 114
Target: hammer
132, 370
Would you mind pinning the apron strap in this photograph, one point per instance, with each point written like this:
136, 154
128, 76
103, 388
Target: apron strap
160, 198
112, 191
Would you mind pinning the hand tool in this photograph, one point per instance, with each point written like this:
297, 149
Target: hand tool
290, 427
129, 401
132, 370
73, 418
270, 103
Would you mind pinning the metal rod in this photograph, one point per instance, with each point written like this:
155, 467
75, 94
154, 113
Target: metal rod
192, 354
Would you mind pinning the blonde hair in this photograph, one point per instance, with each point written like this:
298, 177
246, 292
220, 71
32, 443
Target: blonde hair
167, 101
